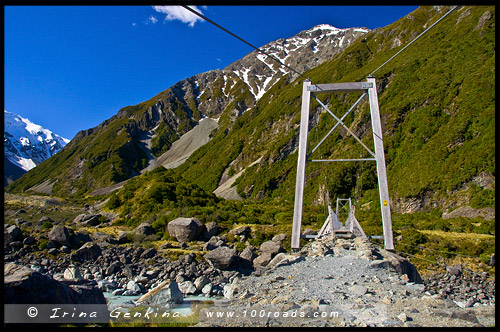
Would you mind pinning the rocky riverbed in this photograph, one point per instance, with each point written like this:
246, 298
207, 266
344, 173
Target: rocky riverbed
344, 282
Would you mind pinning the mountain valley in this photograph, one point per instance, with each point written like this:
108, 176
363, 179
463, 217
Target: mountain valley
196, 185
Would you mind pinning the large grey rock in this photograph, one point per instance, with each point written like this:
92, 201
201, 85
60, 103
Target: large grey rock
398, 264
60, 235
262, 260
207, 289
144, 229
247, 254
185, 229
133, 286
113, 268
201, 282
165, 293
284, 259
29, 240
242, 230
103, 238
271, 247
123, 237
12, 233
308, 231
279, 238
25, 286
221, 257
88, 219
211, 229
187, 287
77, 239
148, 253
455, 270
73, 273
88, 252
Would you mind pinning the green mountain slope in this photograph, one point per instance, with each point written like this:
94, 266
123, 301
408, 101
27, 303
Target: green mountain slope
131, 142
437, 101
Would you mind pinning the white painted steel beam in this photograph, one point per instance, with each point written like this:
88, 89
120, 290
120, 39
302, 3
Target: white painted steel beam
301, 166
340, 87
381, 170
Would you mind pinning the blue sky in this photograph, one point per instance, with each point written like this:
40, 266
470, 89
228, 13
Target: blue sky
68, 68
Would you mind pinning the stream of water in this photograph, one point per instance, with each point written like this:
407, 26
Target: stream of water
115, 301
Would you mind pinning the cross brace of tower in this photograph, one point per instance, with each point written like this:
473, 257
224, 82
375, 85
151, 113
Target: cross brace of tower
309, 90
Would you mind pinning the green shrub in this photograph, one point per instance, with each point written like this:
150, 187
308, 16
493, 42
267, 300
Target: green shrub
47, 225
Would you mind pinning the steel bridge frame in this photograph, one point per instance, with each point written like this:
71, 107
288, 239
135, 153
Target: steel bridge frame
309, 90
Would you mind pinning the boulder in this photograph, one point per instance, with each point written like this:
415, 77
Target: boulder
399, 264
13, 233
185, 229
148, 253
187, 287
455, 270
73, 273
25, 286
88, 252
242, 230
211, 229
279, 238
100, 237
271, 247
144, 229
133, 286
108, 285
201, 282
165, 293
123, 237
113, 268
247, 254
29, 240
284, 259
88, 219
45, 219
221, 257
308, 231
207, 289
262, 260
60, 235
77, 239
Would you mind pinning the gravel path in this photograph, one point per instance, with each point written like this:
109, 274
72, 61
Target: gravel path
329, 285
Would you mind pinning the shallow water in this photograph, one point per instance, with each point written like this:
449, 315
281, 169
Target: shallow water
115, 301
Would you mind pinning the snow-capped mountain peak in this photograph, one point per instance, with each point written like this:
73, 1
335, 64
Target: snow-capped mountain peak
27, 144
304, 51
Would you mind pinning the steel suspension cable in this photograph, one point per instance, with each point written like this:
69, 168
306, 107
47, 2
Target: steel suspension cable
401, 50
243, 40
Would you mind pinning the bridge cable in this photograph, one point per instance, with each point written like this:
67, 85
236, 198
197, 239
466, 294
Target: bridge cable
243, 40
401, 50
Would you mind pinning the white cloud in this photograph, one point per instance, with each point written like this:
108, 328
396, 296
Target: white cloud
179, 13
153, 19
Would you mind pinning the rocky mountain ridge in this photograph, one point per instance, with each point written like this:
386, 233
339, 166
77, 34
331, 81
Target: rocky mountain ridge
218, 94
26, 145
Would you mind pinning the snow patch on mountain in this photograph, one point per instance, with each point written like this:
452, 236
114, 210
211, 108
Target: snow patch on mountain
303, 51
27, 144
